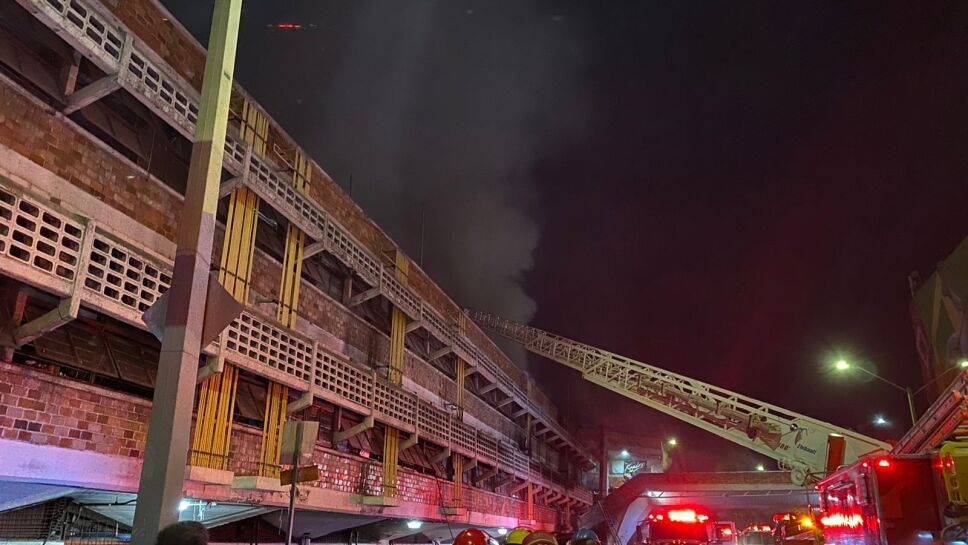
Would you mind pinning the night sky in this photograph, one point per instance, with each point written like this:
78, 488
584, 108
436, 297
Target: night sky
735, 191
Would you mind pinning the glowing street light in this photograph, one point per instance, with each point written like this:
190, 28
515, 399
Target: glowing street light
672, 442
414, 524
624, 453
842, 365
760, 467
879, 420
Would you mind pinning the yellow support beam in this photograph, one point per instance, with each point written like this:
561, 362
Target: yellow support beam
295, 247
277, 400
216, 401
530, 501
277, 395
213, 426
457, 461
398, 333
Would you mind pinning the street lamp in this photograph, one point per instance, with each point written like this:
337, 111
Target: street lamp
624, 453
880, 421
843, 365
760, 467
672, 442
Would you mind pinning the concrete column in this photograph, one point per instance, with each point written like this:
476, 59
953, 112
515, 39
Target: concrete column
163, 472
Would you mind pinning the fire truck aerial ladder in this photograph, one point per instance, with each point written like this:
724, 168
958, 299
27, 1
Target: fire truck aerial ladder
807, 447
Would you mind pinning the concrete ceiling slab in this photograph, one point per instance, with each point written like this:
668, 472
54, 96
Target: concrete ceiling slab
14, 495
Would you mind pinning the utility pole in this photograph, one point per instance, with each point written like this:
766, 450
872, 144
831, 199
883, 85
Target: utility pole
163, 472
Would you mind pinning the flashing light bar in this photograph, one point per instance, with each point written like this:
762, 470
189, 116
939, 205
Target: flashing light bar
844, 521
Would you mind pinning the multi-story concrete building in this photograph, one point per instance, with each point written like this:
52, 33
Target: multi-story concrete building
421, 415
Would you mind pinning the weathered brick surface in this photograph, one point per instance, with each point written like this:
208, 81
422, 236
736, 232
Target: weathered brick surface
39, 408
152, 25
44, 409
66, 150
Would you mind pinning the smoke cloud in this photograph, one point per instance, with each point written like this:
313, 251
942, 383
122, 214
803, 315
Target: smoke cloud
437, 112
432, 114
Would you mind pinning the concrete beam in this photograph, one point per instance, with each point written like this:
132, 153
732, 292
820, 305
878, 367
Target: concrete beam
506, 401
413, 326
443, 455
304, 402
230, 185
92, 93
213, 366
470, 465
487, 389
312, 249
517, 488
519, 413
68, 308
409, 442
341, 436
441, 353
485, 476
363, 297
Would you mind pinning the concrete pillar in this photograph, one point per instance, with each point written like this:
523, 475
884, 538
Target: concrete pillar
163, 472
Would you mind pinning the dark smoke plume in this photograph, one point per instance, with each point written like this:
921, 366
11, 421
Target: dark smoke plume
431, 114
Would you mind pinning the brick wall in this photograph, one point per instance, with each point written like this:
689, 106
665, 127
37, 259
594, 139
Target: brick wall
32, 130
48, 139
152, 24
39, 408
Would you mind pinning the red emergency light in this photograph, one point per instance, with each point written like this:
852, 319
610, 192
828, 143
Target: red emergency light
289, 26
688, 516
883, 462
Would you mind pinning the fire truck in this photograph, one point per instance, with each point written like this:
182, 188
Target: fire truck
684, 524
